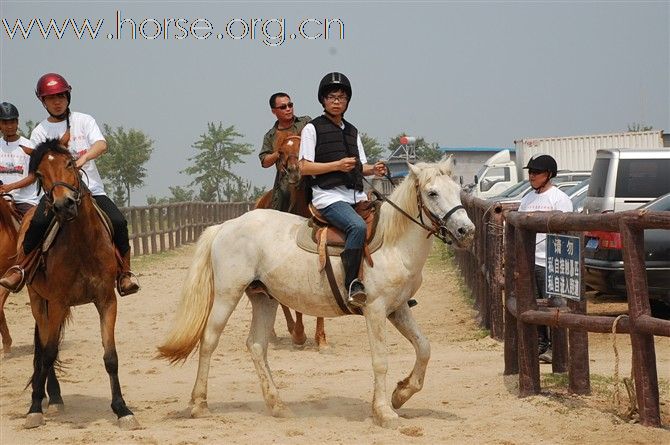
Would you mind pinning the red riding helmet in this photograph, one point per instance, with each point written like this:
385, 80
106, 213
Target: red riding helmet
52, 83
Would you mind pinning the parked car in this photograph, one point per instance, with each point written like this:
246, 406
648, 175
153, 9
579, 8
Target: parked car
577, 193
603, 259
564, 179
625, 179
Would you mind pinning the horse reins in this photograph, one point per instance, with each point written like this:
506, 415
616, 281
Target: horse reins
438, 229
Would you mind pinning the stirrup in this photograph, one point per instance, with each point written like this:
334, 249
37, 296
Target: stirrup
21, 283
360, 298
129, 274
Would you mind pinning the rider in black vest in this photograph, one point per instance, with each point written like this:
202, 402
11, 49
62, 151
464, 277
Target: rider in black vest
331, 152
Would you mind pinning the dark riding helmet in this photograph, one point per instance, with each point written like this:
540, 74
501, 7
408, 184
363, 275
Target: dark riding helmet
50, 84
543, 163
8, 112
331, 82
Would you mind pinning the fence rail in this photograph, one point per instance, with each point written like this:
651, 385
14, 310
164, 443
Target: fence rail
158, 228
499, 271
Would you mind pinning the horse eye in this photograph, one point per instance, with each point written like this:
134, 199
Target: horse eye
432, 194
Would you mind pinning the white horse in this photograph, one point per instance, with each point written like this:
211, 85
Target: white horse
261, 245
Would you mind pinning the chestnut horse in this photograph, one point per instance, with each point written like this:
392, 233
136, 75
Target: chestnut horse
79, 268
9, 227
231, 255
288, 146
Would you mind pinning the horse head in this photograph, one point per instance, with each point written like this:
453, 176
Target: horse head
57, 174
288, 146
439, 201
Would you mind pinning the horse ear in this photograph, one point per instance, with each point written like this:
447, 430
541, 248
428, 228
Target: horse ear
446, 165
27, 150
414, 169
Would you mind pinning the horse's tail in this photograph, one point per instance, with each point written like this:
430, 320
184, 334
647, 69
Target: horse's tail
197, 296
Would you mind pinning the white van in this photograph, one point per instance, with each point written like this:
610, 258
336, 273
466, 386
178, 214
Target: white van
625, 179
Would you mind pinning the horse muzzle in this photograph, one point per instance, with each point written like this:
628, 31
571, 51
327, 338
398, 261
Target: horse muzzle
65, 208
463, 234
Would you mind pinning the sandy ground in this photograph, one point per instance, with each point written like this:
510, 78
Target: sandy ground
466, 399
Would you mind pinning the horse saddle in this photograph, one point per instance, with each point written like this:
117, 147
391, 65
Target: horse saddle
318, 236
50, 237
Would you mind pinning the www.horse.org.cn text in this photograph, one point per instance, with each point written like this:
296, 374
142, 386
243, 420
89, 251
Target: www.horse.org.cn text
271, 32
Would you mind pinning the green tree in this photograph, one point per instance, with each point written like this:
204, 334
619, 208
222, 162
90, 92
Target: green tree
372, 147
637, 126
179, 194
425, 151
218, 151
122, 167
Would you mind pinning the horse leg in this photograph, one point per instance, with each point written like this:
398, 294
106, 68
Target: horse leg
320, 335
257, 344
4, 329
375, 318
298, 334
290, 324
56, 404
404, 322
107, 312
47, 336
217, 320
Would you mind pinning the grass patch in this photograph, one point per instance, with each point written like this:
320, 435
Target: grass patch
602, 397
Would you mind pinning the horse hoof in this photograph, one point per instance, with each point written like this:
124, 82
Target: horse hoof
128, 423
55, 408
33, 420
200, 410
6, 348
386, 419
282, 411
299, 340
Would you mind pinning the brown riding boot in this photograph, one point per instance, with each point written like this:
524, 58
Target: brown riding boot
124, 283
15, 277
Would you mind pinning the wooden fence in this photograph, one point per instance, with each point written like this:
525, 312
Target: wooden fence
162, 227
508, 280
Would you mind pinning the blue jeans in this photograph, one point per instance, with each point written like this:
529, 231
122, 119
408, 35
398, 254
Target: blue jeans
344, 217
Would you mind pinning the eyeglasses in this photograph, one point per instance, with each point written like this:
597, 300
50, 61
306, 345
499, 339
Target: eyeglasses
334, 98
284, 106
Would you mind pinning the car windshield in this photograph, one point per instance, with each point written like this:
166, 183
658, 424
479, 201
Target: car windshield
661, 204
514, 190
577, 187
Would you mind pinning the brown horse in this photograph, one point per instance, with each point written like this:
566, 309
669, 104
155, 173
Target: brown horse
9, 226
79, 268
288, 146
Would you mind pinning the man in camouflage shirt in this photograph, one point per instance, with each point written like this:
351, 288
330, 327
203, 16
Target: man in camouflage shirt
282, 108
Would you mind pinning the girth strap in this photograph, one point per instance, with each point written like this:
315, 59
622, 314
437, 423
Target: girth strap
336, 290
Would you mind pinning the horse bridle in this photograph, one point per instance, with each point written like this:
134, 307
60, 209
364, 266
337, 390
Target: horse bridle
438, 229
284, 158
77, 190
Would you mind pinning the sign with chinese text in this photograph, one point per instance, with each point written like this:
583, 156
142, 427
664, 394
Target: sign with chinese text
563, 274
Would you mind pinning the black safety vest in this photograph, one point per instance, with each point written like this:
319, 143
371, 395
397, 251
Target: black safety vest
332, 144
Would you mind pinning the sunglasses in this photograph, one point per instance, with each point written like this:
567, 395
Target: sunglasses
284, 106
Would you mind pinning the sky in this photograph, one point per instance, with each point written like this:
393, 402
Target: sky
455, 73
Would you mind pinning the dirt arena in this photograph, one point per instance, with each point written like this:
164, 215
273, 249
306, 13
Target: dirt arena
466, 399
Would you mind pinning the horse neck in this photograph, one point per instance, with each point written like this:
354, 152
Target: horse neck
7, 221
87, 228
400, 232
298, 199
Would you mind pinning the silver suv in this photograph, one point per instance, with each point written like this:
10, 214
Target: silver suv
626, 178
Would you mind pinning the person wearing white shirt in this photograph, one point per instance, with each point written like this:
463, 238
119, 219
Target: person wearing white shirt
331, 152
84, 140
545, 198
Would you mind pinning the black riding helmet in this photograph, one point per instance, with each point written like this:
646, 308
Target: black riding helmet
543, 163
332, 82
8, 112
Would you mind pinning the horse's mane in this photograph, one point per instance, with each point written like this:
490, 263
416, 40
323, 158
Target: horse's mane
392, 223
42, 149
